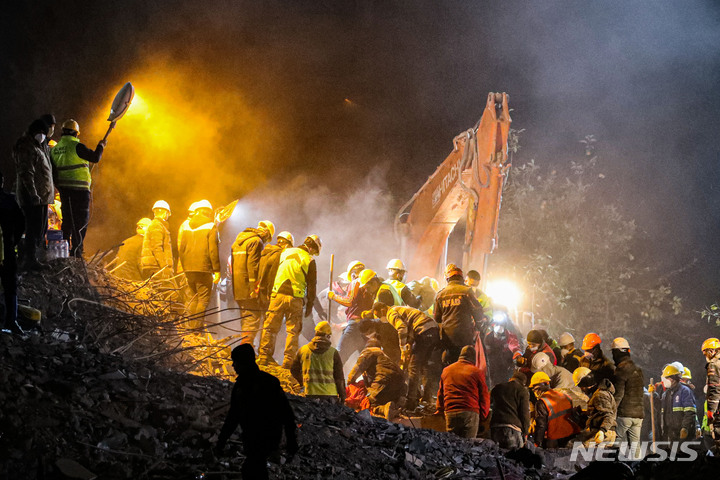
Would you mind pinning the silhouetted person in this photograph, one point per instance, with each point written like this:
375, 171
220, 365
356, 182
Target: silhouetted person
259, 405
12, 223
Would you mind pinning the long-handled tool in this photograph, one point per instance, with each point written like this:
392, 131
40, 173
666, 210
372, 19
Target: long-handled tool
120, 105
652, 411
332, 273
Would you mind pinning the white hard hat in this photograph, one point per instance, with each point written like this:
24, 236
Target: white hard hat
268, 225
395, 264
161, 204
288, 237
539, 361
192, 207
202, 204
620, 344
566, 339
679, 366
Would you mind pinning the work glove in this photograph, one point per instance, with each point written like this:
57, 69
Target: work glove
216, 277
102, 143
709, 416
651, 389
331, 295
683, 433
599, 436
520, 361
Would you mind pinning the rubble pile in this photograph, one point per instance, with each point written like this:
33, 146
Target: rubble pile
80, 403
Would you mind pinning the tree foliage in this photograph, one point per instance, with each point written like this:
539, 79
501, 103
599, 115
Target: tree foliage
575, 252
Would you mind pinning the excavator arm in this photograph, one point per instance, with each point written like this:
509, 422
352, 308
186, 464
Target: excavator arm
468, 183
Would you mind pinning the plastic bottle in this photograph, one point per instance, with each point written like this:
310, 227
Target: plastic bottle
64, 250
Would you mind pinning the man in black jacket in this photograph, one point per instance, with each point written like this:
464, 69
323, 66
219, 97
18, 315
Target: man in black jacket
629, 393
259, 405
458, 313
510, 404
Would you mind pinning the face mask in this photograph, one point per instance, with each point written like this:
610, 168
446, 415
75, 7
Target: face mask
666, 382
589, 355
533, 349
39, 137
564, 351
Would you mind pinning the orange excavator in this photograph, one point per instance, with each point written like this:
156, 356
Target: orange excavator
467, 184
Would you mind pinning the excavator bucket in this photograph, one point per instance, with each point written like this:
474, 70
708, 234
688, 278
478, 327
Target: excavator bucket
122, 102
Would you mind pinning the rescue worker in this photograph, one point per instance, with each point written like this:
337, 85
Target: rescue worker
678, 407
501, 345
353, 271
295, 284
393, 291
198, 252
600, 425
361, 298
34, 189
318, 368
245, 266
72, 160
156, 248
12, 224
472, 280
387, 382
553, 414
595, 359
536, 345
380, 328
458, 313
50, 122
510, 405
259, 405
629, 385
560, 378
127, 262
269, 262
418, 337
711, 351
462, 394
569, 355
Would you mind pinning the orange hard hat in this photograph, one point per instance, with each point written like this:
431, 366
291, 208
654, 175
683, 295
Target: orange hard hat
590, 340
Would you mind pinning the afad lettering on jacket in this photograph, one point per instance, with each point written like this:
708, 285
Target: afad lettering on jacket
451, 302
448, 180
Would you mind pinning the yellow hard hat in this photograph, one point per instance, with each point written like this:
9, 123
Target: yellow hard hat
287, 236
365, 276
538, 378
144, 222
71, 124
710, 343
269, 226
323, 328
672, 369
395, 264
580, 373
352, 266
686, 374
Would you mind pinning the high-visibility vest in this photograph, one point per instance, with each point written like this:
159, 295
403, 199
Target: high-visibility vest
390, 286
559, 407
72, 171
294, 266
317, 371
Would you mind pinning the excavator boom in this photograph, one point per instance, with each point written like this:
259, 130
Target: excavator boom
468, 183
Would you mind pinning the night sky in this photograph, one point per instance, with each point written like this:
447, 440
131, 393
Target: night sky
351, 94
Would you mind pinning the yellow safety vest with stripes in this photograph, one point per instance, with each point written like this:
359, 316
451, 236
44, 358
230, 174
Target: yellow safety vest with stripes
294, 266
72, 171
317, 371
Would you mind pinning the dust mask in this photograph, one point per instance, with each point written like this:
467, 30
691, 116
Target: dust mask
40, 137
564, 351
533, 349
666, 382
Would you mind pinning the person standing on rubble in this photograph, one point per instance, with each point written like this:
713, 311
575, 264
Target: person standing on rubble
472, 280
34, 188
569, 355
12, 223
462, 393
387, 382
259, 405
200, 260
553, 411
157, 253
595, 359
629, 384
127, 262
72, 160
361, 299
295, 284
601, 408
269, 263
393, 291
510, 419
318, 368
711, 352
458, 313
245, 265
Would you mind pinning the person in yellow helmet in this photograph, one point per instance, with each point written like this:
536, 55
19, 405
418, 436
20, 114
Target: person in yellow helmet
71, 162
157, 252
677, 420
318, 368
711, 351
127, 262
553, 410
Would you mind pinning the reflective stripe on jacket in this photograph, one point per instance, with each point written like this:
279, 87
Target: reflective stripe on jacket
72, 171
559, 408
317, 371
294, 266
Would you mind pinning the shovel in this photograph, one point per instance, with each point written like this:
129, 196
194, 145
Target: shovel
120, 105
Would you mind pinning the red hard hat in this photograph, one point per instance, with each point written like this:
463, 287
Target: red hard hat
590, 340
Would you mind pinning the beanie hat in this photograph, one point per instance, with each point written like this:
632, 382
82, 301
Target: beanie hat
49, 119
468, 353
534, 336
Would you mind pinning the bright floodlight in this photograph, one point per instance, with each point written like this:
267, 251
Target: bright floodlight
504, 292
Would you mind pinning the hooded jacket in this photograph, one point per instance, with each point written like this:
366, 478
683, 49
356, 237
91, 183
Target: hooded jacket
629, 384
462, 388
377, 366
458, 313
198, 245
602, 407
156, 248
560, 378
34, 181
246, 252
319, 369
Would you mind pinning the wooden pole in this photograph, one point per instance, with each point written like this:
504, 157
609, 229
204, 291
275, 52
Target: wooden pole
652, 412
332, 274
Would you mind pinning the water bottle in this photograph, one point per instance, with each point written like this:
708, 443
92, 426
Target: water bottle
64, 250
